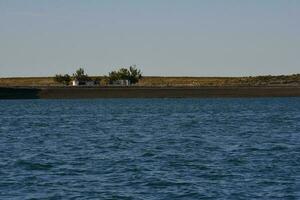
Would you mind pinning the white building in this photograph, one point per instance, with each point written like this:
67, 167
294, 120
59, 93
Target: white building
75, 83
83, 83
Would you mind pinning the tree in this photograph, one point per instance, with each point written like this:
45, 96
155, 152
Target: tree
135, 74
62, 79
80, 75
132, 74
113, 76
124, 73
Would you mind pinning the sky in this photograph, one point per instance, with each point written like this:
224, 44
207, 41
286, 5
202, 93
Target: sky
161, 37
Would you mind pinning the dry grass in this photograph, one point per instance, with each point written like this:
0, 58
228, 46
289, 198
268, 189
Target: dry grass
175, 81
32, 81
221, 81
185, 81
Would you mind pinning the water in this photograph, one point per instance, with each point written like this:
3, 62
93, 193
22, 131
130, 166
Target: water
150, 149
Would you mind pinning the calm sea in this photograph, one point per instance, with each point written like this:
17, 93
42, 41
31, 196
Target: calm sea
150, 149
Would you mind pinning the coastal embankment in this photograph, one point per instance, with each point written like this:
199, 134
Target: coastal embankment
145, 92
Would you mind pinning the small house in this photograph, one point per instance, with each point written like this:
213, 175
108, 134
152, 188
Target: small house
83, 83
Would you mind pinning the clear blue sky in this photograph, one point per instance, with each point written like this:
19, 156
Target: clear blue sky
162, 37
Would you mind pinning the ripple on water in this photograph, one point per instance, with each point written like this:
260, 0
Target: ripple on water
150, 149
30, 165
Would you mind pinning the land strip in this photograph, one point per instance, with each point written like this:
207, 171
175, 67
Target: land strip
155, 87
284, 80
145, 92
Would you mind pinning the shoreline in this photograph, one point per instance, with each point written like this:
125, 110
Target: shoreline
147, 92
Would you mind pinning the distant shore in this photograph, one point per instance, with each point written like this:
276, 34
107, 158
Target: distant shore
151, 81
155, 87
146, 92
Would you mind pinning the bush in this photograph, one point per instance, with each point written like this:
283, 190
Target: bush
132, 74
105, 80
62, 79
81, 76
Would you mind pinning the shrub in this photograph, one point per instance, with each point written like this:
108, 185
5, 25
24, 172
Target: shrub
62, 79
132, 74
81, 76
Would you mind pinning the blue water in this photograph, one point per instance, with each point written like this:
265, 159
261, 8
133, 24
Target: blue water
150, 149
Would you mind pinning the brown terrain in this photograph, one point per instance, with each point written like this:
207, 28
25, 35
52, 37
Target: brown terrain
290, 80
156, 87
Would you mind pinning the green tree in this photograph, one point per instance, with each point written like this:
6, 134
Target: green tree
135, 74
80, 75
124, 73
113, 76
62, 79
132, 74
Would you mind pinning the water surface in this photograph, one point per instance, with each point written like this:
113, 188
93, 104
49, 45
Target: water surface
150, 149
